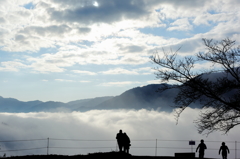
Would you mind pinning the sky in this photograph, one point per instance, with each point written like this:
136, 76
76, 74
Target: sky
143, 128
65, 50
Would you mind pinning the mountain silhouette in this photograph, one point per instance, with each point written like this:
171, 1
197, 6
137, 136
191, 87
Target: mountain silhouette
12, 105
88, 104
145, 97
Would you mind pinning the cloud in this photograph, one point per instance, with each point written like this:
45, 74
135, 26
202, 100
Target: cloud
58, 62
103, 125
154, 82
51, 23
2, 20
84, 81
46, 31
105, 12
120, 84
12, 66
180, 25
139, 71
119, 71
132, 48
84, 72
176, 9
64, 80
145, 70
208, 19
41, 67
185, 47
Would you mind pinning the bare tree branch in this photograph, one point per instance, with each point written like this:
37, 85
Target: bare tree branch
219, 97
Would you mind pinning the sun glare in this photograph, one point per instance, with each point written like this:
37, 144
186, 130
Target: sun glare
95, 4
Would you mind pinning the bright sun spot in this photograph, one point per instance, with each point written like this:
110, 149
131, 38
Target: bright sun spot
95, 4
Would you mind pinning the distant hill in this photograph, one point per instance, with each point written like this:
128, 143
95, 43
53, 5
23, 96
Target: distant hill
145, 97
88, 104
12, 105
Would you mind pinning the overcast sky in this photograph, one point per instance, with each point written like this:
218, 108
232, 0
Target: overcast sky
64, 50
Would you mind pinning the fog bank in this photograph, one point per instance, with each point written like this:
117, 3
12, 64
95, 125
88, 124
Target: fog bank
144, 128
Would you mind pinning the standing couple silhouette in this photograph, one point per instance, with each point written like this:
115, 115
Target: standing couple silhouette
123, 142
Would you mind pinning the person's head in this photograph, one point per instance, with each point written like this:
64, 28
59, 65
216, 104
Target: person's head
202, 141
120, 131
223, 143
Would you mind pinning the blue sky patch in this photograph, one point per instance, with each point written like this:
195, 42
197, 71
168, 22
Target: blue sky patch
29, 5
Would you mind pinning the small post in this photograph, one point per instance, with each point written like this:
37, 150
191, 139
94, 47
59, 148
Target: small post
47, 146
116, 147
235, 149
191, 143
156, 148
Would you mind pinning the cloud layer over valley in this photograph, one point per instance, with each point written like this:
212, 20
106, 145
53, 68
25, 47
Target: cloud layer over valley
144, 125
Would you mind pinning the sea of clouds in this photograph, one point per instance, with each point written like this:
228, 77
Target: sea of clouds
95, 131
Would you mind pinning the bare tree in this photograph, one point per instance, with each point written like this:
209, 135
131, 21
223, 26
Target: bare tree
219, 97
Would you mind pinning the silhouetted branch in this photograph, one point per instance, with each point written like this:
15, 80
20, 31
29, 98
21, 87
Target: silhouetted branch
221, 93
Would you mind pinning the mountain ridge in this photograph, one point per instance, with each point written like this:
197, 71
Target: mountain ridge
145, 97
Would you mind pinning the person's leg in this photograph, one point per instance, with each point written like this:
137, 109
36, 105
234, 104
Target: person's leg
120, 147
223, 156
124, 149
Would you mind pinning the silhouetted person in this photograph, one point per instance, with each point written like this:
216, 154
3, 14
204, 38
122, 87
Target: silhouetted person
120, 140
224, 150
126, 143
201, 148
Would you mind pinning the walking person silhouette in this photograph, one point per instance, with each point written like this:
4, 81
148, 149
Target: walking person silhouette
120, 140
201, 148
224, 150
